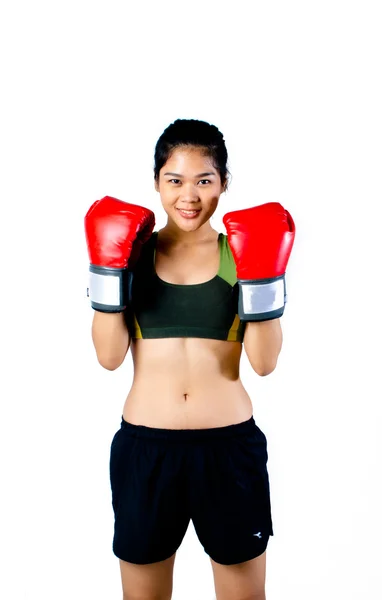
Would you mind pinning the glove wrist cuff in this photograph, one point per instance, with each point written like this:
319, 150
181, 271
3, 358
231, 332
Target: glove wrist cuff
261, 299
107, 288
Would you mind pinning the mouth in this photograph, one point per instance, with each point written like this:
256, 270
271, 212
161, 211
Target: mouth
188, 214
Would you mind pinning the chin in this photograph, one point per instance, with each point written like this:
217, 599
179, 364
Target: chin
190, 226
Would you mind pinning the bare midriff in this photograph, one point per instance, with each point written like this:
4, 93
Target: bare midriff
186, 383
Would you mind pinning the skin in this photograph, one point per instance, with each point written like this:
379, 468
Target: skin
187, 382
184, 383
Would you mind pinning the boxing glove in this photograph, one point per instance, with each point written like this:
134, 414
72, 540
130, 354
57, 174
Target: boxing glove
261, 239
115, 232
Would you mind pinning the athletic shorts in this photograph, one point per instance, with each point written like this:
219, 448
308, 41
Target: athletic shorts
163, 478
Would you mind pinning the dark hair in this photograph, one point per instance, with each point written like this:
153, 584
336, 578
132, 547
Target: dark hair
195, 133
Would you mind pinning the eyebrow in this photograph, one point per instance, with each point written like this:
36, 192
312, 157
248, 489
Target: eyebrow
200, 174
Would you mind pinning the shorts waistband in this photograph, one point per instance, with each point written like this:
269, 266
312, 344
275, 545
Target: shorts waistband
243, 428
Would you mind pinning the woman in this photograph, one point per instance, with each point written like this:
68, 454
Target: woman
188, 446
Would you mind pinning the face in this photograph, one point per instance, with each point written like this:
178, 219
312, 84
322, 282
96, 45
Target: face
188, 181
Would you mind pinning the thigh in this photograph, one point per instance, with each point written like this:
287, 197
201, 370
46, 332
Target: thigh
231, 508
150, 510
153, 581
243, 580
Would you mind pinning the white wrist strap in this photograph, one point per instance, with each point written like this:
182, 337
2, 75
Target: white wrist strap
105, 290
261, 300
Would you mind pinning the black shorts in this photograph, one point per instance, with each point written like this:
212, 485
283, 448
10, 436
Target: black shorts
162, 478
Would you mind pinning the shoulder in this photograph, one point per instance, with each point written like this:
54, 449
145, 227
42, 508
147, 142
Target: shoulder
226, 248
145, 252
227, 268
150, 243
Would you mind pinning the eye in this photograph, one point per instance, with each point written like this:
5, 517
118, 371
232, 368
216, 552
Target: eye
177, 180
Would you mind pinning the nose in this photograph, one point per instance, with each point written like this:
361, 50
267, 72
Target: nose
189, 194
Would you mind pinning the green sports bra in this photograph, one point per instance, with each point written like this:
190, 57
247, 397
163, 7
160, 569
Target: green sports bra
158, 309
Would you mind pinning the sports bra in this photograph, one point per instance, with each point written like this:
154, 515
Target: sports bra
158, 309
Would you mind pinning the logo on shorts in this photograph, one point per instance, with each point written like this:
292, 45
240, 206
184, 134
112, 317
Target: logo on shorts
258, 534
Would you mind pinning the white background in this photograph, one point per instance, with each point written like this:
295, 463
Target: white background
87, 89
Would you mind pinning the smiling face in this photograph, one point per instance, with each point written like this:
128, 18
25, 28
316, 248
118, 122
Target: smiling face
188, 181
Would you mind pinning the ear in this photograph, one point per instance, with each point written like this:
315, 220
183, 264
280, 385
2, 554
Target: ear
156, 185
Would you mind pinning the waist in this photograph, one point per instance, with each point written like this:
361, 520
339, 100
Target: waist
168, 405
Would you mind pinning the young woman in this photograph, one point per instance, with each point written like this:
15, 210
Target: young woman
185, 299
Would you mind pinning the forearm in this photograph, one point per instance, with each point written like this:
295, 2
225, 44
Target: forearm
110, 338
262, 343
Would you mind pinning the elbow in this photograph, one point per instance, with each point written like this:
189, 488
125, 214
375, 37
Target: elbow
263, 370
110, 363
109, 366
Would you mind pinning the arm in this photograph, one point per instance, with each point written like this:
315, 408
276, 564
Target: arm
115, 233
261, 240
110, 338
262, 343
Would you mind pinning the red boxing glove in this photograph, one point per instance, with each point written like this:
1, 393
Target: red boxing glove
261, 239
115, 232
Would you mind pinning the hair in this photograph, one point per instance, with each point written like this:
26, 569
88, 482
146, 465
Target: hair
192, 133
